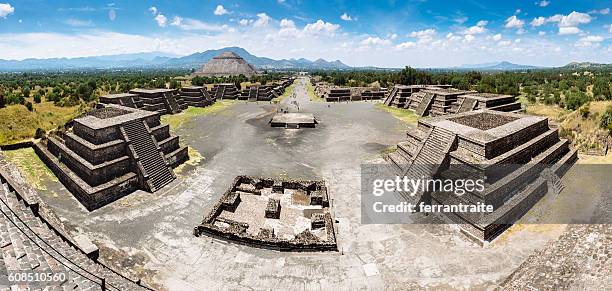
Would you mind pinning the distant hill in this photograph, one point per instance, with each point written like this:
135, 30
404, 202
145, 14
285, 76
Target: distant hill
163, 60
586, 65
501, 66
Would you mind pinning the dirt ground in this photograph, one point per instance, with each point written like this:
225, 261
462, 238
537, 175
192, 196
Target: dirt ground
151, 234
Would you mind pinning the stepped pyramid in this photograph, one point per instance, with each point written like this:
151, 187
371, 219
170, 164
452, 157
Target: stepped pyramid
112, 152
226, 64
510, 152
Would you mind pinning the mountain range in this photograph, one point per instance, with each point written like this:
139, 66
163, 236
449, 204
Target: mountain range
500, 66
157, 60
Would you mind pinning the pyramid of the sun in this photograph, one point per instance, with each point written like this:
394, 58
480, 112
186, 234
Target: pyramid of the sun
226, 64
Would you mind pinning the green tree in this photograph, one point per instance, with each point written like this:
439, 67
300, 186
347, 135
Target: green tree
26, 91
575, 99
174, 84
37, 97
601, 89
606, 119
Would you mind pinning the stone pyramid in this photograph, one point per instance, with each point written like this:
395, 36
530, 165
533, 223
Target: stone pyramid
227, 64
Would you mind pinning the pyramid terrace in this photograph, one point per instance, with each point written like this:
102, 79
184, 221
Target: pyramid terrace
111, 152
510, 150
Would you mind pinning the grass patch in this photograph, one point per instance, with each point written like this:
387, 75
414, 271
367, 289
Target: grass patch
553, 112
18, 124
311, 93
389, 150
194, 159
399, 113
35, 172
177, 120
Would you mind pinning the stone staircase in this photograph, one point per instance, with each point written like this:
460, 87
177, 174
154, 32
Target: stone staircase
428, 158
28, 244
129, 102
391, 96
147, 153
467, 104
220, 92
424, 105
173, 106
554, 183
253, 93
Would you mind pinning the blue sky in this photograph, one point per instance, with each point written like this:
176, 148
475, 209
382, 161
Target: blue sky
420, 33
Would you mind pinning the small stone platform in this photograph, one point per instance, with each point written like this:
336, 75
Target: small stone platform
273, 214
294, 120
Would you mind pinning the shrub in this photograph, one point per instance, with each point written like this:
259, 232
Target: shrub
606, 119
531, 98
40, 133
26, 91
174, 84
584, 111
29, 106
37, 97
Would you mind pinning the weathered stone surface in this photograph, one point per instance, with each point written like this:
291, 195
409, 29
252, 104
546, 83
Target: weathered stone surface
507, 150
111, 152
242, 224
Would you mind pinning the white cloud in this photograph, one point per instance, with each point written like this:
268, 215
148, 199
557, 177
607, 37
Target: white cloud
427, 33
288, 28
610, 28
469, 38
346, 17
287, 23
541, 33
589, 41
604, 11
220, 10
153, 10
592, 38
538, 21
514, 22
574, 19
112, 14
497, 37
245, 22
262, 20
78, 22
424, 36
478, 28
452, 37
568, 24
543, 3
6, 9
569, 30
194, 24
321, 26
375, 41
161, 20
393, 36
405, 45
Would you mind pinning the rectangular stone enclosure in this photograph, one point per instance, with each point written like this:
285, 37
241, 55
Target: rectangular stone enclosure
273, 214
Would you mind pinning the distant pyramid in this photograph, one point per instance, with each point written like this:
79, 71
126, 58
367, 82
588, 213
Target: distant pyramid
226, 64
